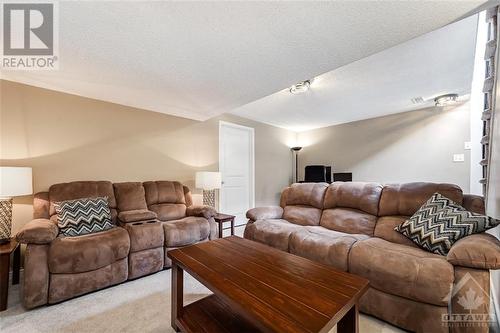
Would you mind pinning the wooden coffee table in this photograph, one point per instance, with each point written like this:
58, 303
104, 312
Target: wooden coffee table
260, 289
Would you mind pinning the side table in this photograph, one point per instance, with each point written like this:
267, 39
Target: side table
6, 251
221, 218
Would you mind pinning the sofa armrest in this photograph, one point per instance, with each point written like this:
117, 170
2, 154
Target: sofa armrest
476, 251
261, 213
38, 231
201, 211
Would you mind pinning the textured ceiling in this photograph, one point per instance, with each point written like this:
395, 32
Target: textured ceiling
434, 64
201, 59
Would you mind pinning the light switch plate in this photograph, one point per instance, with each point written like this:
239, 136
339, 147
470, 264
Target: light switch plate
467, 145
458, 157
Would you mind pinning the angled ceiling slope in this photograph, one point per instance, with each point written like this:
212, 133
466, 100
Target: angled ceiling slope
437, 63
201, 59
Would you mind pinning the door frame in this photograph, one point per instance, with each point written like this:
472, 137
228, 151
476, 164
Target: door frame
251, 130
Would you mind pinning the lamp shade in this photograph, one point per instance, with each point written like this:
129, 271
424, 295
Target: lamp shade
15, 181
208, 180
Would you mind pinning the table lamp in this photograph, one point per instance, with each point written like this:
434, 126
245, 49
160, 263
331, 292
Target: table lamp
208, 182
14, 181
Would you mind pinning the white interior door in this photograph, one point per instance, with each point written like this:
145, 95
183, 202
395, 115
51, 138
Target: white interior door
236, 164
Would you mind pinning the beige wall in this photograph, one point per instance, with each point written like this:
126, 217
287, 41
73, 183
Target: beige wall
406, 147
66, 137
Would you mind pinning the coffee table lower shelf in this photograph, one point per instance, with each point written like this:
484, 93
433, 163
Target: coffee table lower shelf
210, 314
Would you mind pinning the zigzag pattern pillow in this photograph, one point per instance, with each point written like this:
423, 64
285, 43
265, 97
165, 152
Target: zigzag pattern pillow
440, 222
83, 216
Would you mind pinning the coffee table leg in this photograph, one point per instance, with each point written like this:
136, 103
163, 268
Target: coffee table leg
350, 322
221, 224
177, 294
16, 265
4, 280
232, 227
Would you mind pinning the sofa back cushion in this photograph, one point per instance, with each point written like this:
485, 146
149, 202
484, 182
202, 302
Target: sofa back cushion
406, 199
351, 207
306, 194
400, 201
167, 199
80, 190
356, 195
304, 203
130, 196
385, 229
302, 215
474, 203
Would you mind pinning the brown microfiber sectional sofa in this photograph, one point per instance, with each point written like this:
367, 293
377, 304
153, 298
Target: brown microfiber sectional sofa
351, 227
152, 218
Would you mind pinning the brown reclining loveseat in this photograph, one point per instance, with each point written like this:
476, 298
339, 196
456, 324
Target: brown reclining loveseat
351, 227
151, 218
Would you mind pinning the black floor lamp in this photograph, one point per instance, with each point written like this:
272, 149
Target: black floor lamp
295, 150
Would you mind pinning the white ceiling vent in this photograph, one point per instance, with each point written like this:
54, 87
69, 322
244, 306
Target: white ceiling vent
417, 100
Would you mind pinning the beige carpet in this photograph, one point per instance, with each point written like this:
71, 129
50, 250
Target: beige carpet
142, 305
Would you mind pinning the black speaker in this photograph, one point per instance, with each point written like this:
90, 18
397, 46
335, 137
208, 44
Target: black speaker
328, 176
315, 174
342, 177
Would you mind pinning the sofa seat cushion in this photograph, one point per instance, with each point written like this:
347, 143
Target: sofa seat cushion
273, 232
323, 245
402, 270
88, 252
136, 215
186, 231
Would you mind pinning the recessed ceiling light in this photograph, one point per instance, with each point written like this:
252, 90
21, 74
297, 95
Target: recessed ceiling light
300, 87
447, 99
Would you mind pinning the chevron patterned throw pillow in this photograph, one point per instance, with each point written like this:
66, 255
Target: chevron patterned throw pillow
83, 216
440, 222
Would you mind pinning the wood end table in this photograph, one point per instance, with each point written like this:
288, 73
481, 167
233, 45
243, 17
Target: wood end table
6, 250
221, 218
